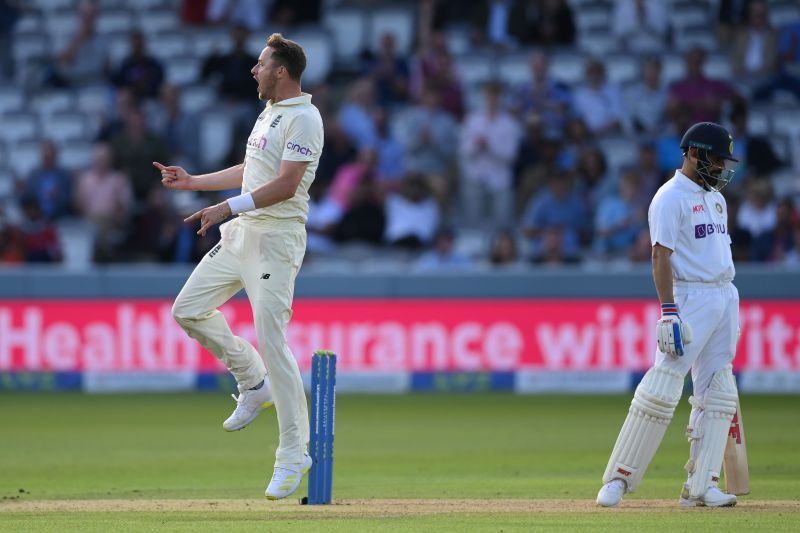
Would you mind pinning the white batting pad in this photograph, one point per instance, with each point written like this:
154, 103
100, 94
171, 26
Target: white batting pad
718, 410
651, 411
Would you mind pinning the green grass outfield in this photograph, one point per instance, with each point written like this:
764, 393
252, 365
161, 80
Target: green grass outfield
489, 462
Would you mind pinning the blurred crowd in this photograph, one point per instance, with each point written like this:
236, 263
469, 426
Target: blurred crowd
416, 159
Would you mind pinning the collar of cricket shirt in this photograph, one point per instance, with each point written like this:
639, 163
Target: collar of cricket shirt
687, 184
304, 98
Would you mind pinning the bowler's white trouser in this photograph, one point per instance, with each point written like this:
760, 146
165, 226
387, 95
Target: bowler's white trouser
263, 258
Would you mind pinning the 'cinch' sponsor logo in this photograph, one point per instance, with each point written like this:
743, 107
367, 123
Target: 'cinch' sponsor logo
260, 143
299, 148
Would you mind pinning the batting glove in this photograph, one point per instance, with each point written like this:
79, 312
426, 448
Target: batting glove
672, 333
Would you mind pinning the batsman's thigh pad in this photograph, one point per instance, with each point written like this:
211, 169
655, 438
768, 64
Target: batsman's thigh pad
718, 409
650, 413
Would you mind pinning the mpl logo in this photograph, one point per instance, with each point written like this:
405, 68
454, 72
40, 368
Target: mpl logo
698, 209
299, 148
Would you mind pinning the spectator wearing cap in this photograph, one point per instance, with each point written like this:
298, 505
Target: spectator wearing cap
489, 141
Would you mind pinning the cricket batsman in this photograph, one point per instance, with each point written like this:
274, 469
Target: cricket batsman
693, 270
261, 250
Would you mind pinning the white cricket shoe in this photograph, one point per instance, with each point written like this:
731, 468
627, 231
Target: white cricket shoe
248, 405
611, 493
285, 480
713, 497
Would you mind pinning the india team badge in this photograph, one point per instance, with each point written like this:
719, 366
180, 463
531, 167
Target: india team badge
719, 207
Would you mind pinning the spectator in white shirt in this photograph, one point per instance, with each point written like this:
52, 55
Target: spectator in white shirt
489, 140
412, 215
598, 102
646, 100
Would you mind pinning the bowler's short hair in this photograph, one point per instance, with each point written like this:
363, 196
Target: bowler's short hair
288, 54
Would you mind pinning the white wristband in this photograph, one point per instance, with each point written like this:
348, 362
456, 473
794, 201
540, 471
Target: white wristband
241, 203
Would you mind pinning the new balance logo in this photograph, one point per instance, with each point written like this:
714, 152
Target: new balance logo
275, 122
264, 276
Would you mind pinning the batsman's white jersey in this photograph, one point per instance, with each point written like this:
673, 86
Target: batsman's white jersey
693, 223
262, 250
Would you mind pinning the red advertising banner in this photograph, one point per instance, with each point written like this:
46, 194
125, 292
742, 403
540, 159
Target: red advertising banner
381, 335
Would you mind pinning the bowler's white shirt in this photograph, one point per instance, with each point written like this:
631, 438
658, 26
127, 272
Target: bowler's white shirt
289, 130
693, 223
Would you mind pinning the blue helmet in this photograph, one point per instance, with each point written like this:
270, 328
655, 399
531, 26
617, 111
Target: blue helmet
710, 138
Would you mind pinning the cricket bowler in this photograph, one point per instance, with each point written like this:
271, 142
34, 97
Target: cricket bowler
261, 250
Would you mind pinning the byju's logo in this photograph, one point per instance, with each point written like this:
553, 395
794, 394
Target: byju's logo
701, 230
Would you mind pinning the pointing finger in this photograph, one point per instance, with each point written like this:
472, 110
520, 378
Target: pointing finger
194, 216
159, 166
